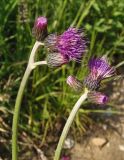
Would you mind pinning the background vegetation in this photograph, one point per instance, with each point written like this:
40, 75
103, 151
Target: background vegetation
48, 100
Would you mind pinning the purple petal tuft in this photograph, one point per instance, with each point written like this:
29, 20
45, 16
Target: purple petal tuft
72, 44
100, 68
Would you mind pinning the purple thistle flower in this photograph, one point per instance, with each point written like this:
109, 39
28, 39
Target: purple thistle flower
99, 69
71, 44
40, 28
97, 97
74, 83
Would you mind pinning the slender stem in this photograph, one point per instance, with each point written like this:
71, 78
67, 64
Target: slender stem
39, 63
68, 124
30, 67
32, 55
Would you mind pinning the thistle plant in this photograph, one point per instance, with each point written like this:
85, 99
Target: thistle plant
69, 46
99, 70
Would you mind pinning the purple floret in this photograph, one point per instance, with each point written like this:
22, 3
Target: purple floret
100, 68
72, 44
41, 22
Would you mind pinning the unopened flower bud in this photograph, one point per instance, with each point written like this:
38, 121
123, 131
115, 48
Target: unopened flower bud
97, 97
40, 28
74, 83
56, 59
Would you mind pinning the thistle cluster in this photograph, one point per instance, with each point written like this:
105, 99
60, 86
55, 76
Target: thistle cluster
69, 46
63, 48
99, 69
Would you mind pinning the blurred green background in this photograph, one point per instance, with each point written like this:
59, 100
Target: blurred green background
47, 97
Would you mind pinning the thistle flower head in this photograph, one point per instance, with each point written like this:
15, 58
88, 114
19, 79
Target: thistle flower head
55, 59
99, 69
97, 97
74, 83
40, 28
70, 44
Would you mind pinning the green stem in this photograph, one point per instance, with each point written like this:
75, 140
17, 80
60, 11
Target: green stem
68, 124
30, 67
